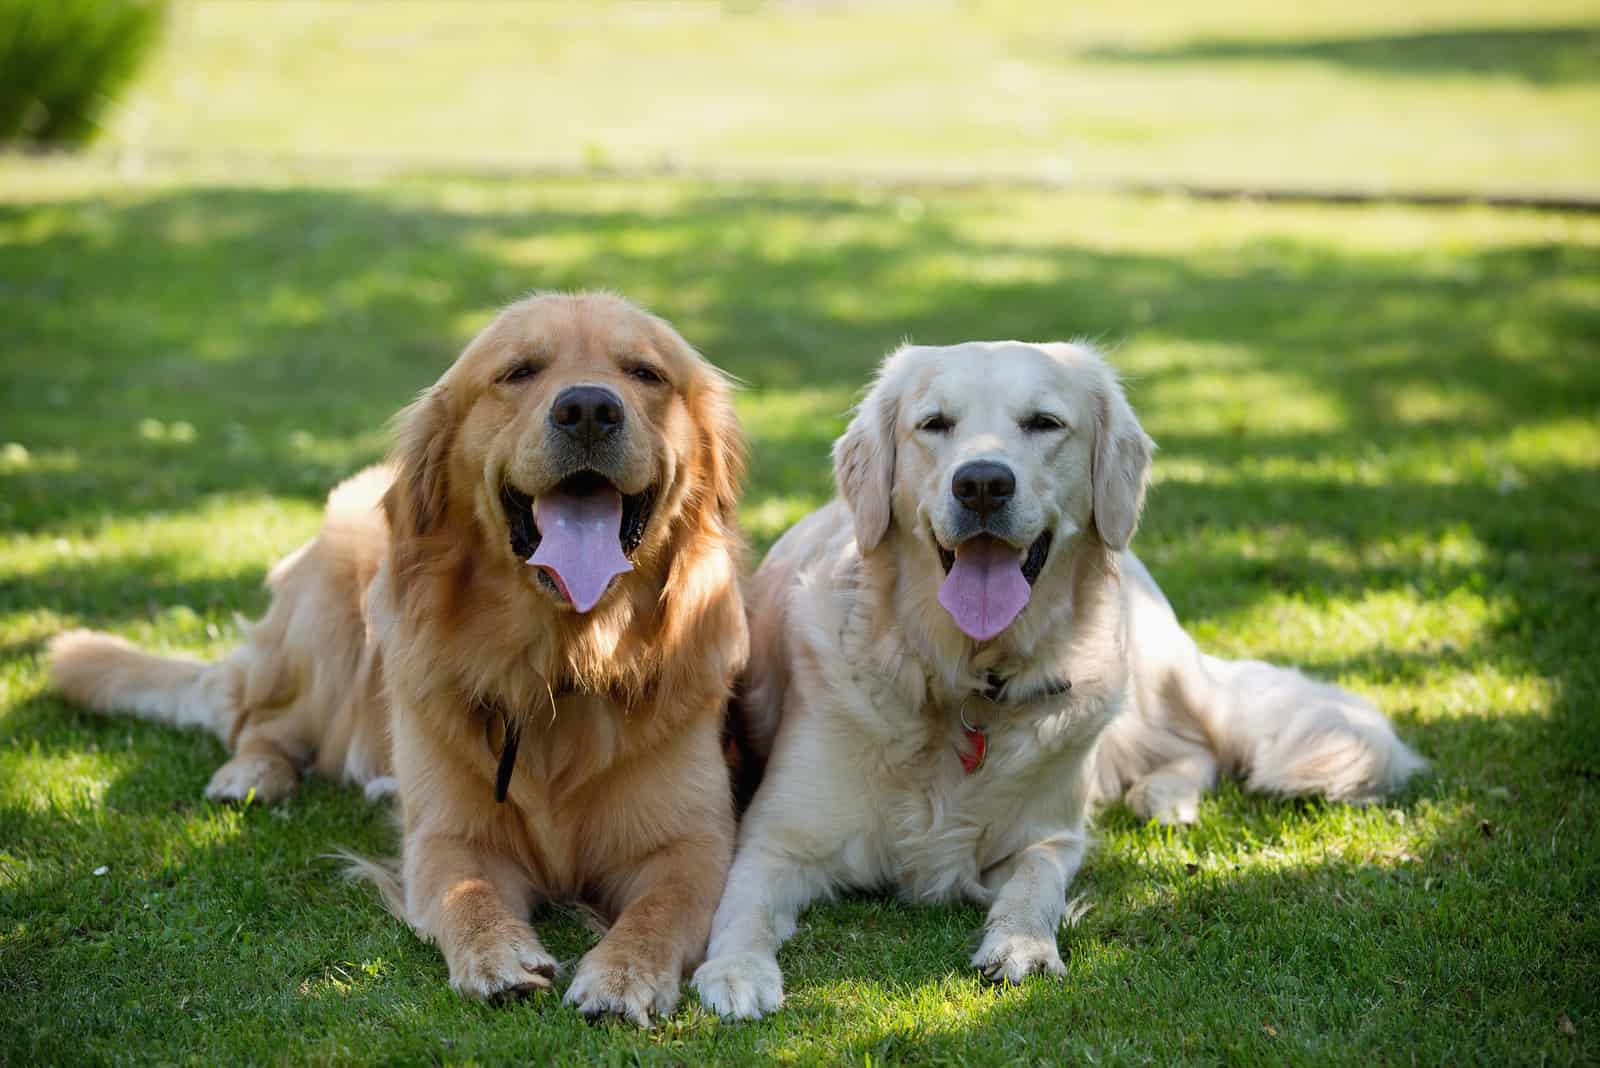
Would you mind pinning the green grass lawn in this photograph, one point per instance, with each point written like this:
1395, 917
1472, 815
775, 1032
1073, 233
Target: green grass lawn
1379, 435
1436, 94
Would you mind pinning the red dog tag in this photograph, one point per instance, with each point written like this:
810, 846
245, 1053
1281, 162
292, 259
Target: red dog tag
977, 748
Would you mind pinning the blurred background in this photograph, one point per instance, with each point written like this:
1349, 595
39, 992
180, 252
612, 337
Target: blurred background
236, 236
1444, 95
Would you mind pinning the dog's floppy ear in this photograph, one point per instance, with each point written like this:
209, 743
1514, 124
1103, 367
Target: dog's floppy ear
863, 465
721, 439
416, 502
1121, 466
721, 442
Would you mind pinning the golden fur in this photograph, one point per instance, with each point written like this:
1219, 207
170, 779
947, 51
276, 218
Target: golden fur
418, 616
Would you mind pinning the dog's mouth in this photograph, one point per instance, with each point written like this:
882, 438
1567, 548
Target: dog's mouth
579, 533
988, 581
1032, 564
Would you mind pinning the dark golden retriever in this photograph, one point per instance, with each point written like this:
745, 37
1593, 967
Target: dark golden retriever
527, 627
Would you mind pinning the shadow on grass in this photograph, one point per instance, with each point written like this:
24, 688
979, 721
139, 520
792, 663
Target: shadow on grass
1311, 956
104, 593
1546, 55
191, 892
195, 343
283, 328
1316, 959
279, 330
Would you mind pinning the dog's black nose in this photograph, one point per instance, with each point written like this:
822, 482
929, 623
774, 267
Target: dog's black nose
983, 486
587, 414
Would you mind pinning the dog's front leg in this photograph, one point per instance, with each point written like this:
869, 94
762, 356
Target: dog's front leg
766, 891
471, 901
1019, 936
666, 905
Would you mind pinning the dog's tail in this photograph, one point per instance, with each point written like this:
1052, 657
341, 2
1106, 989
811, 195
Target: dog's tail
111, 676
1286, 734
384, 875
1273, 728
310, 647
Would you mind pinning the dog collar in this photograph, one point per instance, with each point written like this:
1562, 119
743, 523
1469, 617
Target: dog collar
975, 748
508, 757
510, 738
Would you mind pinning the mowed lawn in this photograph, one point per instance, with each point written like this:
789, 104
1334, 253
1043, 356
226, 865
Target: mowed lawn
1379, 434
1428, 94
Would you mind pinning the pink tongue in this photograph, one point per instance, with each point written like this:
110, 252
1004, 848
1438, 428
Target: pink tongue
580, 543
985, 589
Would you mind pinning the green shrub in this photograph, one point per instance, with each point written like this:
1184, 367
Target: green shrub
62, 61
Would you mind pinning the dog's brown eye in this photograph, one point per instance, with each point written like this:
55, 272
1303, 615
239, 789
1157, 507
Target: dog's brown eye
646, 374
1040, 422
520, 373
937, 423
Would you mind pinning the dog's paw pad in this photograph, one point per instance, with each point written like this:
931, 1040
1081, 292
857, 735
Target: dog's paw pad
602, 987
1006, 957
744, 986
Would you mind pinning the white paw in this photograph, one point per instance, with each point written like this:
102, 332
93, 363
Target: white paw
506, 964
1010, 957
259, 779
745, 986
1155, 798
379, 788
630, 989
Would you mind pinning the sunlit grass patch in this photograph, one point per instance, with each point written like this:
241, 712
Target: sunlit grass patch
1159, 92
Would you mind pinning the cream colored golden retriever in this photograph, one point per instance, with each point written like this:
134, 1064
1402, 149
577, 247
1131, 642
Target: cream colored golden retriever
956, 659
532, 622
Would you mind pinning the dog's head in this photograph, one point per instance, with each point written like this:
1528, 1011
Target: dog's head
570, 443
992, 456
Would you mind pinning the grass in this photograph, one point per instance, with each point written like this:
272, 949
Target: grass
1380, 459
1434, 94
1379, 430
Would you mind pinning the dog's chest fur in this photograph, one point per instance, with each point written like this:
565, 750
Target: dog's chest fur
887, 687
942, 829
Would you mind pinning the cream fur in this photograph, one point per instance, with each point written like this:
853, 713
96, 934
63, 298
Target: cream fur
859, 679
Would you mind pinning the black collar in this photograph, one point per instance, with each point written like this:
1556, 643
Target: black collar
998, 684
508, 757
510, 738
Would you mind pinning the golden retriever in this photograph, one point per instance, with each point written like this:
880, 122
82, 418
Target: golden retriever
951, 663
532, 621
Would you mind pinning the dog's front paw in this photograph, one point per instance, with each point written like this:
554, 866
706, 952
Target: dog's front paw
1165, 799
262, 779
745, 986
608, 982
505, 963
1010, 957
